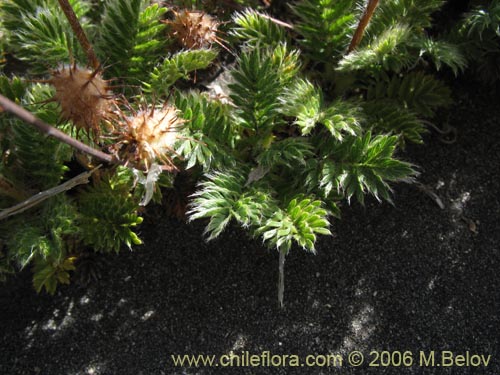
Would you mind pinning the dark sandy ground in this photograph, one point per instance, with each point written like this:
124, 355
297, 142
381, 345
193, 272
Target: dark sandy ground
413, 277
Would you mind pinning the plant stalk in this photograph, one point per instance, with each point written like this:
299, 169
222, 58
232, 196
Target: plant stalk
281, 280
276, 21
36, 199
363, 23
18, 111
80, 34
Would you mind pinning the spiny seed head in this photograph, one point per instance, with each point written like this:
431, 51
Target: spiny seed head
148, 136
194, 30
83, 95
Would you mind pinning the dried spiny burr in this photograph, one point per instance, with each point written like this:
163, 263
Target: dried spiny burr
194, 30
148, 136
84, 96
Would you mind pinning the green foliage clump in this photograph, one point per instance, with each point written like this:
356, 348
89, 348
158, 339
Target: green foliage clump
252, 28
256, 88
34, 160
387, 51
177, 67
400, 104
208, 135
130, 36
362, 165
300, 221
418, 14
283, 123
287, 131
108, 214
415, 91
325, 27
48, 243
303, 101
37, 31
50, 235
224, 196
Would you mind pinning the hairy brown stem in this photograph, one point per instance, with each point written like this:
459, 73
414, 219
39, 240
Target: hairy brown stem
363, 23
18, 111
80, 34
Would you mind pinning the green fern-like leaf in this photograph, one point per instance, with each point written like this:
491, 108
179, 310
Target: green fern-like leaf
387, 116
13, 88
479, 34
289, 152
299, 221
482, 19
38, 31
37, 160
38, 98
396, 39
342, 117
444, 53
326, 27
417, 13
286, 62
310, 182
256, 90
198, 149
178, 67
62, 216
208, 135
363, 165
255, 29
109, 213
387, 51
224, 197
48, 274
45, 242
211, 117
416, 91
305, 102
130, 36
42, 231
12, 10
29, 242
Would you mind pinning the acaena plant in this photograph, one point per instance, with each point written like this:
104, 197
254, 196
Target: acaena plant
308, 111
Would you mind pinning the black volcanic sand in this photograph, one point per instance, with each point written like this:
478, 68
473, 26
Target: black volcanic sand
410, 277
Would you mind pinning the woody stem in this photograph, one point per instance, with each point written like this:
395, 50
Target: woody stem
80, 34
18, 111
363, 23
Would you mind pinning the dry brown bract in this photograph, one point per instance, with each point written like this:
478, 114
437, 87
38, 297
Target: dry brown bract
148, 136
84, 97
194, 30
